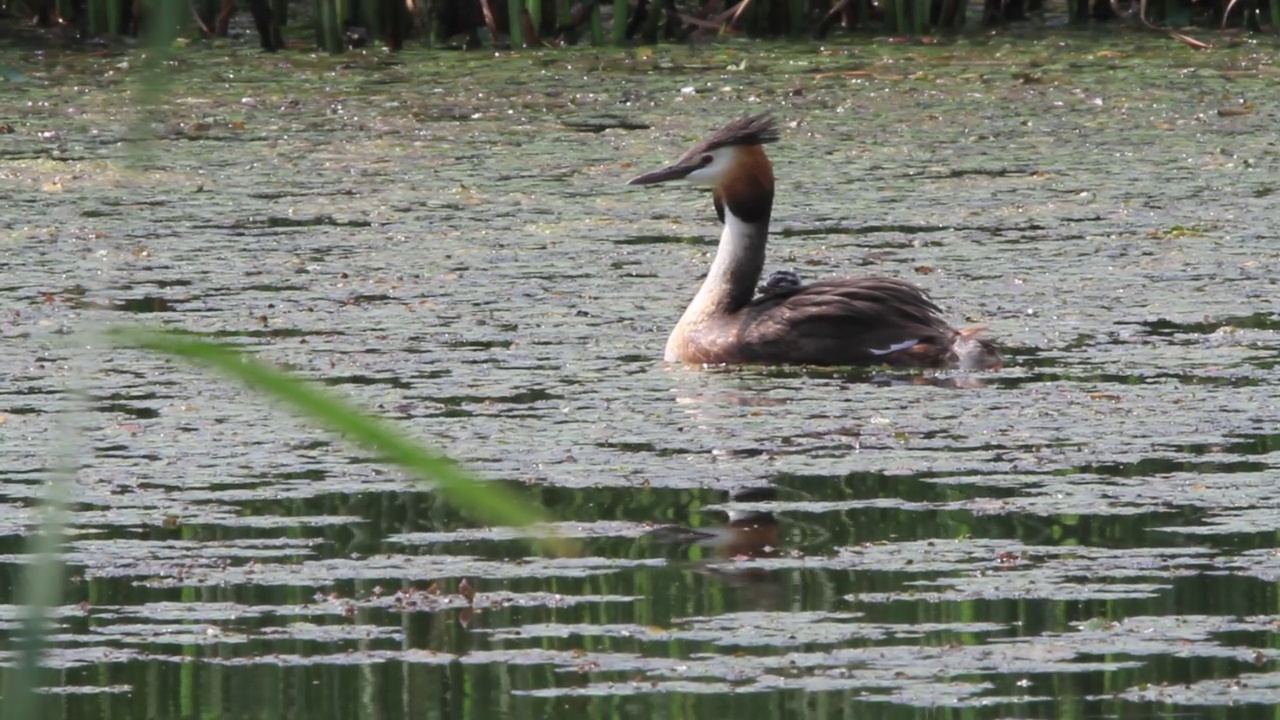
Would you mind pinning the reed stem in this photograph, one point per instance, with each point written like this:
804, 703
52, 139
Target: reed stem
515, 10
328, 26
535, 12
653, 21
597, 25
394, 21
797, 17
621, 11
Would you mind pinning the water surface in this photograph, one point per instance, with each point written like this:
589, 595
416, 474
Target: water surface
446, 239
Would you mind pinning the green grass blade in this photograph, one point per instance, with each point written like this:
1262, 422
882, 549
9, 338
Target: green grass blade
163, 24
487, 502
40, 590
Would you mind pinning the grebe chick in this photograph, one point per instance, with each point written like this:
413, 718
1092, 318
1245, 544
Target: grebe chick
843, 321
779, 282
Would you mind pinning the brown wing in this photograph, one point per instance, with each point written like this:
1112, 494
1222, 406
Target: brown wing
847, 321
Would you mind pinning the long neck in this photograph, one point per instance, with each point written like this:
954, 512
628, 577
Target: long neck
734, 273
743, 194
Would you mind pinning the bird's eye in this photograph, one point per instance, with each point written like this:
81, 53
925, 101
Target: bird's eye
707, 159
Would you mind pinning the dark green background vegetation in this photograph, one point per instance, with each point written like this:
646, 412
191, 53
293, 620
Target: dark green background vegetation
336, 24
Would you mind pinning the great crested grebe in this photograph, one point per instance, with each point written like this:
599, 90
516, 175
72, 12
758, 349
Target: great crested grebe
842, 321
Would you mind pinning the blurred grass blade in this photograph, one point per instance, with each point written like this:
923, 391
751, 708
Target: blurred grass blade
484, 501
163, 23
40, 590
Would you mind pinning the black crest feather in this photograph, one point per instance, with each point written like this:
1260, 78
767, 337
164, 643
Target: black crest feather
750, 130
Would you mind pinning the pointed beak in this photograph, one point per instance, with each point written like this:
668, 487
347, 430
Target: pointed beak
670, 172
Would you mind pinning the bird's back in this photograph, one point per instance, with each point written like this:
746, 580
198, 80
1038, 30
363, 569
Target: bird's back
845, 321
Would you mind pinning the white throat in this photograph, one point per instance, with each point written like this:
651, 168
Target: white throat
730, 283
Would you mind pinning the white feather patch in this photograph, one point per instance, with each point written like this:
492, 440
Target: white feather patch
895, 347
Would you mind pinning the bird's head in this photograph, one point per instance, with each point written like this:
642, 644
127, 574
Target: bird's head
732, 162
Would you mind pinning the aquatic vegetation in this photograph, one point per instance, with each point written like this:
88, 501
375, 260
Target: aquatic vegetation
338, 24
